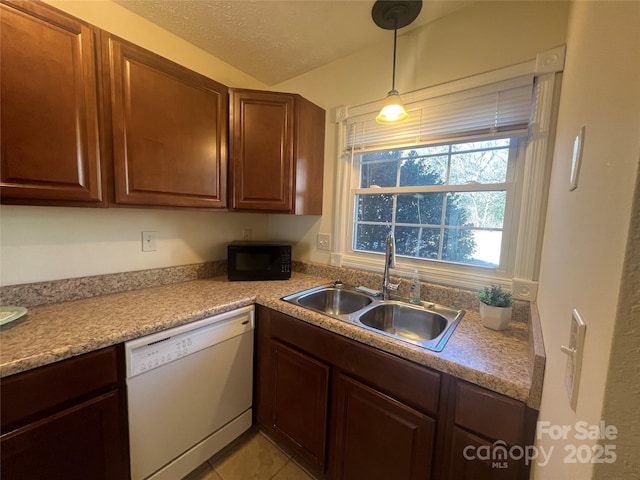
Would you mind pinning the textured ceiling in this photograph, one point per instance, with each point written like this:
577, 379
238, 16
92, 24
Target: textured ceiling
275, 40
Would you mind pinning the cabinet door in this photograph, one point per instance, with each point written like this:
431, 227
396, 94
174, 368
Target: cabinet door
377, 437
76, 444
169, 130
299, 397
49, 133
262, 143
475, 458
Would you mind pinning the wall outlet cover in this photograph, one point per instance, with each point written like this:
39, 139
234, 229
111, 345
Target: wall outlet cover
149, 242
324, 241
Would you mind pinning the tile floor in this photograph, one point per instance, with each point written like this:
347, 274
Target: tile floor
253, 456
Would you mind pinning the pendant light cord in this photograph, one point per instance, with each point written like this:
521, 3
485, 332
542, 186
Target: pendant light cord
393, 76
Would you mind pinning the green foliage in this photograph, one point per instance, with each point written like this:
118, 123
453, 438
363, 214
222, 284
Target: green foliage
421, 214
495, 296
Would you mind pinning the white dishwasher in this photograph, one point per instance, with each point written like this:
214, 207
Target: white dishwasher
189, 393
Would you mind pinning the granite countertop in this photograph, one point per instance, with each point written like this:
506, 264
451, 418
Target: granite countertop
500, 361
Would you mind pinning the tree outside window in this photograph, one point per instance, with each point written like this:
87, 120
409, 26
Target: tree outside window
444, 202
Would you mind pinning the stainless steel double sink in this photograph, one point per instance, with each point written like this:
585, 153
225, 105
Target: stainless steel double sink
427, 325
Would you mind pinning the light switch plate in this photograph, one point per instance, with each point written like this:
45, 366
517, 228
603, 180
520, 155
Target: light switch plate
576, 160
574, 360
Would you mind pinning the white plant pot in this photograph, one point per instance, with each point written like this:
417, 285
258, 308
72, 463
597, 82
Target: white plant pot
495, 318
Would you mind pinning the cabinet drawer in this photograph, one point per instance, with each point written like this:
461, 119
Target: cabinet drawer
408, 382
34, 394
489, 414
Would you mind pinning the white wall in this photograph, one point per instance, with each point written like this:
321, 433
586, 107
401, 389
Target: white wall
51, 243
47, 243
481, 37
586, 230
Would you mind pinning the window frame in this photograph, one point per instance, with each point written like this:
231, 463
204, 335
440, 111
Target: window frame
532, 173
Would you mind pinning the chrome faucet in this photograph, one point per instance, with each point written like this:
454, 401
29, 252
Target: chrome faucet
389, 262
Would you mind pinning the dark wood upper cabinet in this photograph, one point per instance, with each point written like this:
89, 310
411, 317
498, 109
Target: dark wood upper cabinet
277, 152
50, 145
169, 130
90, 119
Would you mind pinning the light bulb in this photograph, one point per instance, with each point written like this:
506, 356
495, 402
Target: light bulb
392, 109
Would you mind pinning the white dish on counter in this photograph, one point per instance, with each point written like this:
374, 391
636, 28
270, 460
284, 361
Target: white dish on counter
9, 314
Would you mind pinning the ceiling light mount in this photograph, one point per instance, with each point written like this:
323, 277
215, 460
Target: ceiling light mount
394, 14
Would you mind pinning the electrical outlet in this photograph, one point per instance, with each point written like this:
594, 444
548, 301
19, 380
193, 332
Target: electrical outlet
247, 234
149, 241
574, 360
323, 241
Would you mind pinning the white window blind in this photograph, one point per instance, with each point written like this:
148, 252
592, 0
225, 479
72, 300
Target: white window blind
495, 109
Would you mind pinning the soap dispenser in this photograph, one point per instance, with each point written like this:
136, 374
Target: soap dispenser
414, 292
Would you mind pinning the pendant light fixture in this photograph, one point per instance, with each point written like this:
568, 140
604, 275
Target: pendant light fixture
392, 15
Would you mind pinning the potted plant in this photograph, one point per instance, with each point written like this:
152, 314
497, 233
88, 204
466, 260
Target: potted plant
495, 307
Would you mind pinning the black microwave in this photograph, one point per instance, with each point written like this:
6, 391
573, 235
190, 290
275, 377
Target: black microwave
259, 260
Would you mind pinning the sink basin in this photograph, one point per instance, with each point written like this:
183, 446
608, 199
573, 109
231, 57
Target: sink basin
406, 321
335, 301
427, 325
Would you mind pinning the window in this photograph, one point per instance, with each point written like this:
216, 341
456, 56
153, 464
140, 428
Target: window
462, 183
444, 202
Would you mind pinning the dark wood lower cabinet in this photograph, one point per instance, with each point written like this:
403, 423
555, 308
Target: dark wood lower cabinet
76, 444
471, 459
66, 421
376, 437
300, 413
350, 410
355, 412
488, 433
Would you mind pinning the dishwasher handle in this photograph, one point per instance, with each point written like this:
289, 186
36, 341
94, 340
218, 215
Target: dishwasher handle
156, 350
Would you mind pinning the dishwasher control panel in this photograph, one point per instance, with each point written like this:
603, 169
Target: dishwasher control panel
153, 351
159, 353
